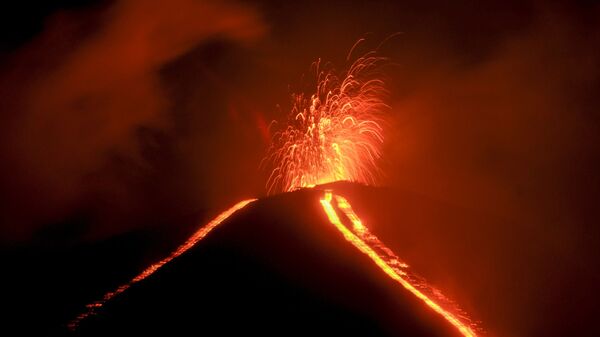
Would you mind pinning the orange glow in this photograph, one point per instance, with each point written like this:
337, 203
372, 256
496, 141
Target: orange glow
386, 260
336, 134
197, 236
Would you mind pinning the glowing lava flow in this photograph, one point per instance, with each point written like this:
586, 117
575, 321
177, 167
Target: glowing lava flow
197, 236
367, 243
359, 236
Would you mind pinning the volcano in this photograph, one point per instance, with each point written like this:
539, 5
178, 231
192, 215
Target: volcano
275, 267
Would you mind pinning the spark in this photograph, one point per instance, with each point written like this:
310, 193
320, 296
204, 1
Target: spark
336, 133
387, 261
197, 236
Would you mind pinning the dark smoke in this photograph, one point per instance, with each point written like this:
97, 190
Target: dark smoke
85, 99
511, 132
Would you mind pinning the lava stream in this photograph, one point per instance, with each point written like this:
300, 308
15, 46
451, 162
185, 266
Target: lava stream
359, 236
197, 236
386, 260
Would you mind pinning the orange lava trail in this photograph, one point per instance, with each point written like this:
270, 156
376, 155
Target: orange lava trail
385, 260
197, 236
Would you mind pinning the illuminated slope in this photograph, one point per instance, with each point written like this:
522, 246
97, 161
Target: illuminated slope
387, 261
280, 268
277, 268
197, 236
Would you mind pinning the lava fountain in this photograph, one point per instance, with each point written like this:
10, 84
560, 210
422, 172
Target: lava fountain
336, 133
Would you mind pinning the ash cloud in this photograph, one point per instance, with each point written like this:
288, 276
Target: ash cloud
80, 97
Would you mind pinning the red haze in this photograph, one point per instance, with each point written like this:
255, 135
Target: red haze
86, 85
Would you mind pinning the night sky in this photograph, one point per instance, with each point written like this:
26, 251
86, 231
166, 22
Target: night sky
123, 123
